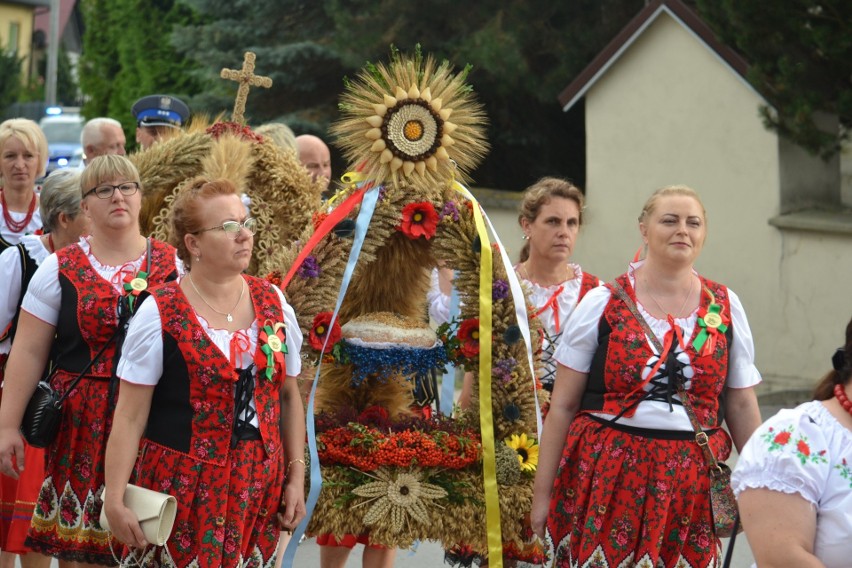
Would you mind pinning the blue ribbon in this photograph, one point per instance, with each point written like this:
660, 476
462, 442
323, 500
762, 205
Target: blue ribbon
368, 205
448, 381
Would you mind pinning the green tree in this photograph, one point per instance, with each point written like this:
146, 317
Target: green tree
10, 70
129, 54
523, 53
800, 56
292, 40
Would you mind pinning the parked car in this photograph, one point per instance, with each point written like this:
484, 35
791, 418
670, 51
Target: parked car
63, 140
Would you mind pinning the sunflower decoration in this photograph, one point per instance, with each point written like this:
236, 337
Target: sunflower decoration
527, 451
421, 118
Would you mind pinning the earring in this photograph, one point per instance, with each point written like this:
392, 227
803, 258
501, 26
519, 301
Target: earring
198, 258
526, 237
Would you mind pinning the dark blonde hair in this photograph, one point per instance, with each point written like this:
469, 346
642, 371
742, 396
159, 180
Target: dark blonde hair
841, 374
539, 194
185, 219
32, 137
667, 191
108, 168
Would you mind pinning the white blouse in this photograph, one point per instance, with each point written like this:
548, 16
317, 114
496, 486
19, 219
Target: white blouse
578, 345
10, 285
141, 359
806, 451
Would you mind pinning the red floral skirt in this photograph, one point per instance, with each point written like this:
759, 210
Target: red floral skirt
621, 499
65, 520
226, 515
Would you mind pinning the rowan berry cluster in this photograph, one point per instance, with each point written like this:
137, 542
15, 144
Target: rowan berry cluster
367, 449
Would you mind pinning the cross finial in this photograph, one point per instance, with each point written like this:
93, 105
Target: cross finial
246, 78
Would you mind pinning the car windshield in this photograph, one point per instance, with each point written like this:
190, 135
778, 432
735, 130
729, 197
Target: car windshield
62, 132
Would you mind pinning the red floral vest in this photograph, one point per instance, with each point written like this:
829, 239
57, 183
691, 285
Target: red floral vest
192, 410
88, 312
623, 352
587, 284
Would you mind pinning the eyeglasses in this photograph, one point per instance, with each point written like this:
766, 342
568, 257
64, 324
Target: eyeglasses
106, 191
232, 228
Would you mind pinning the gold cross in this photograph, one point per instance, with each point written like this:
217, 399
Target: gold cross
246, 78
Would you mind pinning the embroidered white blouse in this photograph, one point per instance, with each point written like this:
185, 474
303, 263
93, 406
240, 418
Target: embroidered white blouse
806, 451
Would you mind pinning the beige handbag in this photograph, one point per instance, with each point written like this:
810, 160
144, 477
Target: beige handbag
156, 512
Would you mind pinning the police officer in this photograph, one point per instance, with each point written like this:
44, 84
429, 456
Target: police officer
157, 116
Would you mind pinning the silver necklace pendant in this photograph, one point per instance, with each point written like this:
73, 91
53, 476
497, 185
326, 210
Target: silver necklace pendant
230, 319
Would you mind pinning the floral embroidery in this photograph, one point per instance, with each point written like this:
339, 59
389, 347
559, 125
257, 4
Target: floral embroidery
845, 471
780, 441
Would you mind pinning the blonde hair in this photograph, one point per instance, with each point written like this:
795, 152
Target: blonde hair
60, 193
281, 134
185, 211
31, 135
539, 194
667, 191
107, 168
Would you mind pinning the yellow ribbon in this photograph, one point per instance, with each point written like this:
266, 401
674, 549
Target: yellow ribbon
350, 179
486, 418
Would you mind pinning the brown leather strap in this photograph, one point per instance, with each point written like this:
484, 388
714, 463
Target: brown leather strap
700, 436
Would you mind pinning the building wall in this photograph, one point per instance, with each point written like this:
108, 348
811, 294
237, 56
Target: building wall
670, 112
22, 16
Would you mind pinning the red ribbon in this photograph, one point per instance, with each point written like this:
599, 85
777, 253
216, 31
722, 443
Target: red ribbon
239, 344
553, 304
339, 213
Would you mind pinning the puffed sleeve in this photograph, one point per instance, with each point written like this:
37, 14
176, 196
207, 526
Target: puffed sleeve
787, 454
579, 342
293, 359
10, 287
44, 294
141, 360
742, 373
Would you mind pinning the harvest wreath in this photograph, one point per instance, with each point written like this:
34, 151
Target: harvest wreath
391, 466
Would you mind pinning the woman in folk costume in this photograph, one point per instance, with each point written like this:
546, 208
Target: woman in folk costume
59, 205
551, 217
80, 295
208, 385
23, 159
551, 214
621, 480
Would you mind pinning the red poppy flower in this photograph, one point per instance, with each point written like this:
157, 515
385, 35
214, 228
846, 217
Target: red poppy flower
782, 438
320, 329
419, 220
469, 337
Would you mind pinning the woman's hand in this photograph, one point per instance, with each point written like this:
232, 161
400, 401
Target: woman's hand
11, 452
538, 516
292, 509
123, 523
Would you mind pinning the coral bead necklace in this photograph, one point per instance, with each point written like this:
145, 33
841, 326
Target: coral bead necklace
17, 226
840, 395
